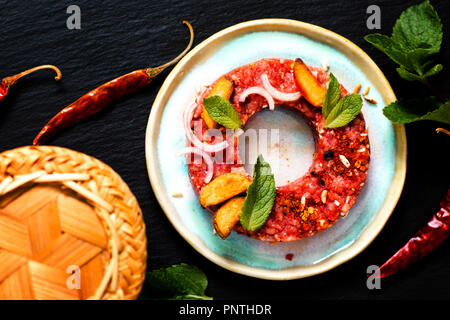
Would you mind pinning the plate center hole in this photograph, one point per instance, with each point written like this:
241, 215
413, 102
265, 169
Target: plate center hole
285, 140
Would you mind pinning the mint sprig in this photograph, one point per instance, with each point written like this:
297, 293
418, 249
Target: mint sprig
223, 112
345, 111
339, 112
407, 111
260, 197
416, 38
331, 96
178, 282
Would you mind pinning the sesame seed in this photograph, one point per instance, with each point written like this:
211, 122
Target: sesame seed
366, 91
371, 100
362, 149
303, 200
325, 65
323, 196
177, 195
344, 161
336, 203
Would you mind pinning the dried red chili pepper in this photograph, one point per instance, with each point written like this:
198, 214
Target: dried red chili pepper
426, 239
101, 97
8, 82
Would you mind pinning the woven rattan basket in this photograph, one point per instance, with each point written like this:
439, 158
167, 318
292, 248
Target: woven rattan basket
69, 228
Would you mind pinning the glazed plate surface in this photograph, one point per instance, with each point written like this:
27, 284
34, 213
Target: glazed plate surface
239, 45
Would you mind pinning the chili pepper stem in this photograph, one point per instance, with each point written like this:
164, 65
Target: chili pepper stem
9, 81
442, 130
153, 72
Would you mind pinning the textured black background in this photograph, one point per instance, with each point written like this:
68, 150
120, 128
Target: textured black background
119, 36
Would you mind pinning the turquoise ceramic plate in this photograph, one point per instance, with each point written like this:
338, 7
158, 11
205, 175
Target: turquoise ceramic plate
242, 44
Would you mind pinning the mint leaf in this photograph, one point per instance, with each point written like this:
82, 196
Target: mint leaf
434, 70
409, 76
345, 111
386, 45
260, 197
223, 112
416, 37
178, 282
332, 96
407, 111
417, 27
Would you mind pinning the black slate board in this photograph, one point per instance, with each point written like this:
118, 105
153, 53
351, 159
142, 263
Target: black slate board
120, 36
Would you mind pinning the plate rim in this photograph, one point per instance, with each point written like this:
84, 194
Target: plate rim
372, 229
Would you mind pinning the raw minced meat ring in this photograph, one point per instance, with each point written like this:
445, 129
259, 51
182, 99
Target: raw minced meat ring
327, 191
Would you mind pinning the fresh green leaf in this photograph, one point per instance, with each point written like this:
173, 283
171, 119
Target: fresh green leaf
407, 111
332, 95
223, 112
434, 70
419, 27
178, 282
345, 111
386, 45
409, 76
416, 37
260, 197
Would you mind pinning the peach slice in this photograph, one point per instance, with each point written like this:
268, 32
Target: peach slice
223, 188
227, 216
310, 87
224, 88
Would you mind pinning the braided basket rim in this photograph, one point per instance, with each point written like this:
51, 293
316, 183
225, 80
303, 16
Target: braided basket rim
126, 214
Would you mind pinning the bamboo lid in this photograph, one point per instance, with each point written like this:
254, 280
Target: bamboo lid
70, 228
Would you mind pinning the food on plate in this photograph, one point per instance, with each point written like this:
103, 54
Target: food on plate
309, 204
310, 87
223, 188
103, 96
8, 82
222, 88
228, 216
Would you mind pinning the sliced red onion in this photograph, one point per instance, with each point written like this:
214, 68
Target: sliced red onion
258, 90
205, 156
281, 96
192, 138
